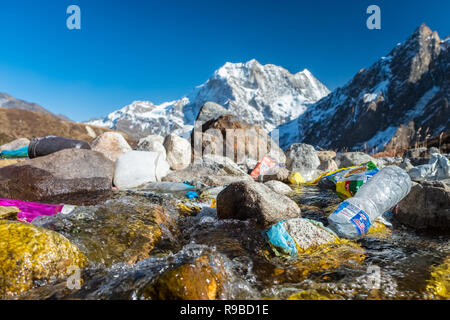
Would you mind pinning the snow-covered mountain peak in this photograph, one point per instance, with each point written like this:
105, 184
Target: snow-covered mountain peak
268, 95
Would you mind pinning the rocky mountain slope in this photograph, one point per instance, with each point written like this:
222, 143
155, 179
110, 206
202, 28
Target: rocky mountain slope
267, 95
401, 98
8, 101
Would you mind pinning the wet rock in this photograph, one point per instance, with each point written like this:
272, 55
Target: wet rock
8, 162
252, 200
438, 287
111, 144
16, 144
136, 168
120, 230
178, 151
308, 234
426, 207
278, 187
64, 176
153, 143
348, 159
210, 170
29, 253
198, 280
302, 157
210, 111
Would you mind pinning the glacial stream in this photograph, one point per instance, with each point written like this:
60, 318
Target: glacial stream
389, 263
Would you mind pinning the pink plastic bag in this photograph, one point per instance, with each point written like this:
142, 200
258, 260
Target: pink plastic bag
31, 210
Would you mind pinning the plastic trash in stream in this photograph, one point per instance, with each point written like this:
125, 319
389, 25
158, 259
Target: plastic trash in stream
262, 167
438, 168
347, 181
353, 218
28, 211
296, 178
191, 195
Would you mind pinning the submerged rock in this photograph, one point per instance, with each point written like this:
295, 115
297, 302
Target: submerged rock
426, 207
198, 280
252, 200
64, 176
29, 253
439, 284
120, 230
111, 144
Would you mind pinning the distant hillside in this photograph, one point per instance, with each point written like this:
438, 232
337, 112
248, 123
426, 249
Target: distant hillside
18, 123
8, 101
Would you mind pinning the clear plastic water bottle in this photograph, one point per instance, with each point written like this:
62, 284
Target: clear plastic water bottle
353, 218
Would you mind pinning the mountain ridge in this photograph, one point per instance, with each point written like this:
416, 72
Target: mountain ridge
267, 95
401, 97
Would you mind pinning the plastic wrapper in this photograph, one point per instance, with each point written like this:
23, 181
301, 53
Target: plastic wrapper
347, 181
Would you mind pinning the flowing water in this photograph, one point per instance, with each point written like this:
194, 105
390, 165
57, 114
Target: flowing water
388, 264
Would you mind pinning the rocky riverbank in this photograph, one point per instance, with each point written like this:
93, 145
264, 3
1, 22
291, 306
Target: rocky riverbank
158, 223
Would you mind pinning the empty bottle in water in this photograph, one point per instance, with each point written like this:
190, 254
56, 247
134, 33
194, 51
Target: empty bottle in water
353, 218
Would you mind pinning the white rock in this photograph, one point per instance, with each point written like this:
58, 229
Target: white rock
178, 152
136, 168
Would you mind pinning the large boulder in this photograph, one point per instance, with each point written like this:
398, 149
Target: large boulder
348, 159
111, 144
229, 136
211, 111
302, 157
246, 200
426, 207
211, 170
29, 254
65, 176
16, 144
136, 168
178, 152
153, 143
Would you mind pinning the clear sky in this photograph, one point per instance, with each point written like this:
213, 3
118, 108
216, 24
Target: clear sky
158, 50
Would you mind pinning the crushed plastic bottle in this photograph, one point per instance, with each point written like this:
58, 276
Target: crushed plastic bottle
353, 218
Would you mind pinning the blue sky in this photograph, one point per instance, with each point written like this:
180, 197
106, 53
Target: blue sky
158, 50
